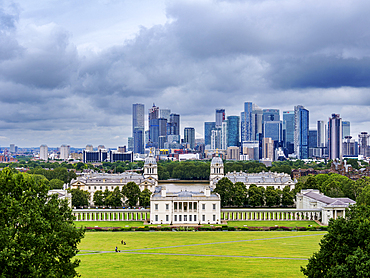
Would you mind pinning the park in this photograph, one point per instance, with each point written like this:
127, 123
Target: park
197, 254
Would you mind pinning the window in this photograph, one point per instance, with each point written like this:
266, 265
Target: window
185, 218
179, 217
214, 206
156, 206
203, 217
94, 187
175, 205
185, 207
190, 205
156, 217
203, 206
180, 205
195, 205
195, 218
214, 217
101, 187
167, 206
89, 187
175, 217
167, 218
190, 218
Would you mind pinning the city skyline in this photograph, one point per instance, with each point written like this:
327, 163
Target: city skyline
70, 72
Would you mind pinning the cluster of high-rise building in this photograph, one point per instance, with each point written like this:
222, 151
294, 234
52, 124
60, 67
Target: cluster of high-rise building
257, 134
163, 132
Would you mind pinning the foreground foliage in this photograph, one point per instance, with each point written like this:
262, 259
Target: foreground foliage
345, 250
37, 234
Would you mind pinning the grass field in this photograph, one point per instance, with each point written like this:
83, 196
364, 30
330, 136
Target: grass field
196, 254
230, 223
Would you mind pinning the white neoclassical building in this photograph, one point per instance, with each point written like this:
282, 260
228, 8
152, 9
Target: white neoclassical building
330, 207
93, 182
185, 207
217, 171
265, 179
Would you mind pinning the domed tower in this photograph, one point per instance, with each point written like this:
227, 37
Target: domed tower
150, 169
217, 171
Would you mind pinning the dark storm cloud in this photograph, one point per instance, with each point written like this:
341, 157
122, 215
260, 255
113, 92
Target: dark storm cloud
210, 54
319, 71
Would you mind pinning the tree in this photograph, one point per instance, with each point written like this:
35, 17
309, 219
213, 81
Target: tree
56, 184
115, 198
272, 197
80, 198
364, 197
287, 198
255, 196
98, 198
144, 198
225, 188
240, 194
344, 250
37, 235
131, 191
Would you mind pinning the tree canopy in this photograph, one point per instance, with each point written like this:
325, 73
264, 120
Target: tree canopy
132, 192
344, 250
37, 234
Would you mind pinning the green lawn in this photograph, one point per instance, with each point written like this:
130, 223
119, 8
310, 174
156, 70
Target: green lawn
230, 223
109, 223
263, 223
183, 255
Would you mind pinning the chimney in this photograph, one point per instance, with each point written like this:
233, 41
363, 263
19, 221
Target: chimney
163, 191
208, 191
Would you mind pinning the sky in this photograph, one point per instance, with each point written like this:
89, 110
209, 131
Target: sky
71, 70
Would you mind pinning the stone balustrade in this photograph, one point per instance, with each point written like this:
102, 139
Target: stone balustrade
241, 214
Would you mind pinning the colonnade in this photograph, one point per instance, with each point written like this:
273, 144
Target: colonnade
270, 214
111, 214
226, 214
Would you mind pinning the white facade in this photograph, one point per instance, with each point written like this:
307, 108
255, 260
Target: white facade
64, 152
185, 207
44, 152
217, 171
331, 207
98, 181
265, 179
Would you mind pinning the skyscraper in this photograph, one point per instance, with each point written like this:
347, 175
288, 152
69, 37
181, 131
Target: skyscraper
224, 135
233, 131
301, 126
273, 130
271, 115
321, 134
174, 125
189, 136
220, 117
165, 113
288, 131
138, 127
153, 124
346, 128
312, 139
335, 137
44, 152
130, 144
257, 120
363, 141
246, 122
208, 126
